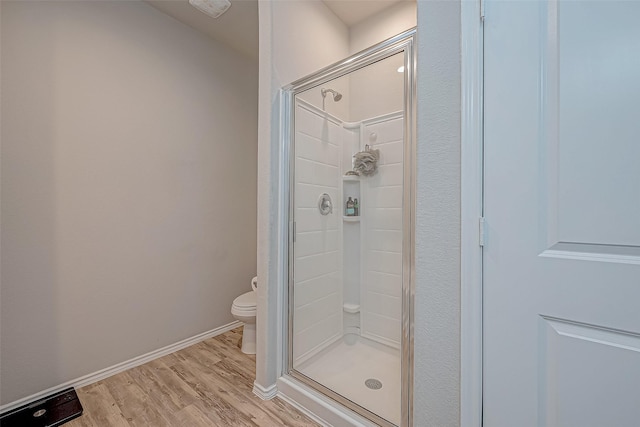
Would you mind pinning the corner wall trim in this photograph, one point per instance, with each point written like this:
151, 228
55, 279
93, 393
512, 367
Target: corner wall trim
123, 366
263, 393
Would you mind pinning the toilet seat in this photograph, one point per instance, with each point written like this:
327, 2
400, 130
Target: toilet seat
245, 304
246, 300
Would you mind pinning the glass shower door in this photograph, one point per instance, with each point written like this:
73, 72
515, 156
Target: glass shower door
348, 205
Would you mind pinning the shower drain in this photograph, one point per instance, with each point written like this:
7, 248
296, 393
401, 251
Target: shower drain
373, 384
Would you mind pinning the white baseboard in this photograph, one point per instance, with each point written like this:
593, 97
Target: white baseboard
317, 349
121, 367
381, 340
265, 393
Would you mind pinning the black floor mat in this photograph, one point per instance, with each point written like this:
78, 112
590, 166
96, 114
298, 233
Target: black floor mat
51, 411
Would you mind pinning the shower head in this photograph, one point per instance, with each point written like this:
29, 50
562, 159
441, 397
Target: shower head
337, 96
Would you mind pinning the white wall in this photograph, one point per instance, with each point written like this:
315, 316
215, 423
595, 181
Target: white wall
365, 102
377, 89
317, 286
296, 39
308, 37
383, 25
128, 186
382, 237
437, 302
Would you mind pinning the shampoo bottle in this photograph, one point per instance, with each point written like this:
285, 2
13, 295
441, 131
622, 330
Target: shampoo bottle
350, 208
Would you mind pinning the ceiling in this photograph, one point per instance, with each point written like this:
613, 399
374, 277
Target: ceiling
352, 12
238, 26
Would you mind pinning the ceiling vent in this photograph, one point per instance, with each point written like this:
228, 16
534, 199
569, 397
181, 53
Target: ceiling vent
213, 8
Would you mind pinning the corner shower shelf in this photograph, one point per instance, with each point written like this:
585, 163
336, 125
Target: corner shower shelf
351, 218
350, 178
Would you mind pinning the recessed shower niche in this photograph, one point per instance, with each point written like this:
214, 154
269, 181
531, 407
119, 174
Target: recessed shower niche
350, 146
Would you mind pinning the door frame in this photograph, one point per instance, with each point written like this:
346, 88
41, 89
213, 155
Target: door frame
471, 199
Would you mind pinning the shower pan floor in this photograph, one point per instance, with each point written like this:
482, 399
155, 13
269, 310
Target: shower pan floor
347, 364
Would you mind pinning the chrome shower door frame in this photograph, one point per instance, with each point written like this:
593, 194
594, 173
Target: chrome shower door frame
402, 43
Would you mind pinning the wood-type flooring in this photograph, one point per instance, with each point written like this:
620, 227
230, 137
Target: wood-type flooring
207, 384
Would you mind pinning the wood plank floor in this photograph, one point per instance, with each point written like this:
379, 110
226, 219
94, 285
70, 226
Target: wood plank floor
207, 384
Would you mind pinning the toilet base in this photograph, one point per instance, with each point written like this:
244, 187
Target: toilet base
249, 338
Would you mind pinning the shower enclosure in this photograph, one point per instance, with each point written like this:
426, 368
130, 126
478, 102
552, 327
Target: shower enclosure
350, 144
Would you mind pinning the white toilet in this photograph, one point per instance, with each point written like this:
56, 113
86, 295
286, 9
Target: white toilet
244, 310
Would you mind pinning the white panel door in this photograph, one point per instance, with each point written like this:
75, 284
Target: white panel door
562, 208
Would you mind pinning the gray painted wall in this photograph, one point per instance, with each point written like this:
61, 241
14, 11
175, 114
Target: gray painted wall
129, 147
437, 304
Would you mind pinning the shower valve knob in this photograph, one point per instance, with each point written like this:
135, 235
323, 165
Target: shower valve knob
325, 205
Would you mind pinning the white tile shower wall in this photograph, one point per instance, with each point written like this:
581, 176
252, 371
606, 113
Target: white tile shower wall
381, 289
318, 253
